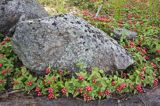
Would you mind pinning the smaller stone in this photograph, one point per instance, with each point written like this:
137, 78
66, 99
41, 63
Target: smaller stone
119, 32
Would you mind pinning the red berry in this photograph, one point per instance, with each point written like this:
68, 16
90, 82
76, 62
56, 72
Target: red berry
147, 57
1, 65
60, 72
155, 82
154, 65
3, 43
158, 51
54, 78
29, 83
7, 39
4, 72
139, 88
48, 70
143, 51
39, 94
86, 13
88, 98
113, 83
88, 88
1, 81
49, 82
80, 78
51, 96
85, 95
50, 90
94, 81
121, 87
37, 89
64, 90
102, 18
107, 92
132, 44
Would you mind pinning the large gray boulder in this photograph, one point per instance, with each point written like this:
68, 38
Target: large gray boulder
65, 40
11, 11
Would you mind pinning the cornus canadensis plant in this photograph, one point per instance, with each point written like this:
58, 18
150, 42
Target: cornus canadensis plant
88, 85
6, 63
92, 83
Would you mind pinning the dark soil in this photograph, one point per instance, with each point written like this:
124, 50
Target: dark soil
150, 98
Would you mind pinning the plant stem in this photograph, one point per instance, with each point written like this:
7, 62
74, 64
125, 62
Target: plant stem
99, 9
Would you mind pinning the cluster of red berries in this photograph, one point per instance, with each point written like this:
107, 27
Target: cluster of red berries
5, 41
38, 91
87, 97
88, 88
50, 90
121, 87
155, 82
54, 78
132, 44
80, 78
51, 93
113, 83
86, 13
147, 57
1, 81
49, 82
4, 72
154, 65
99, 18
51, 96
141, 50
48, 70
94, 80
29, 83
1, 65
139, 88
102, 19
106, 92
158, 51
64, 91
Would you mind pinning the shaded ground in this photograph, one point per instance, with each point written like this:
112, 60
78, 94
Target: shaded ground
151, 98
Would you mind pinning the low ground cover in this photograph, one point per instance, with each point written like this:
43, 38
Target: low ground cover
93, 83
